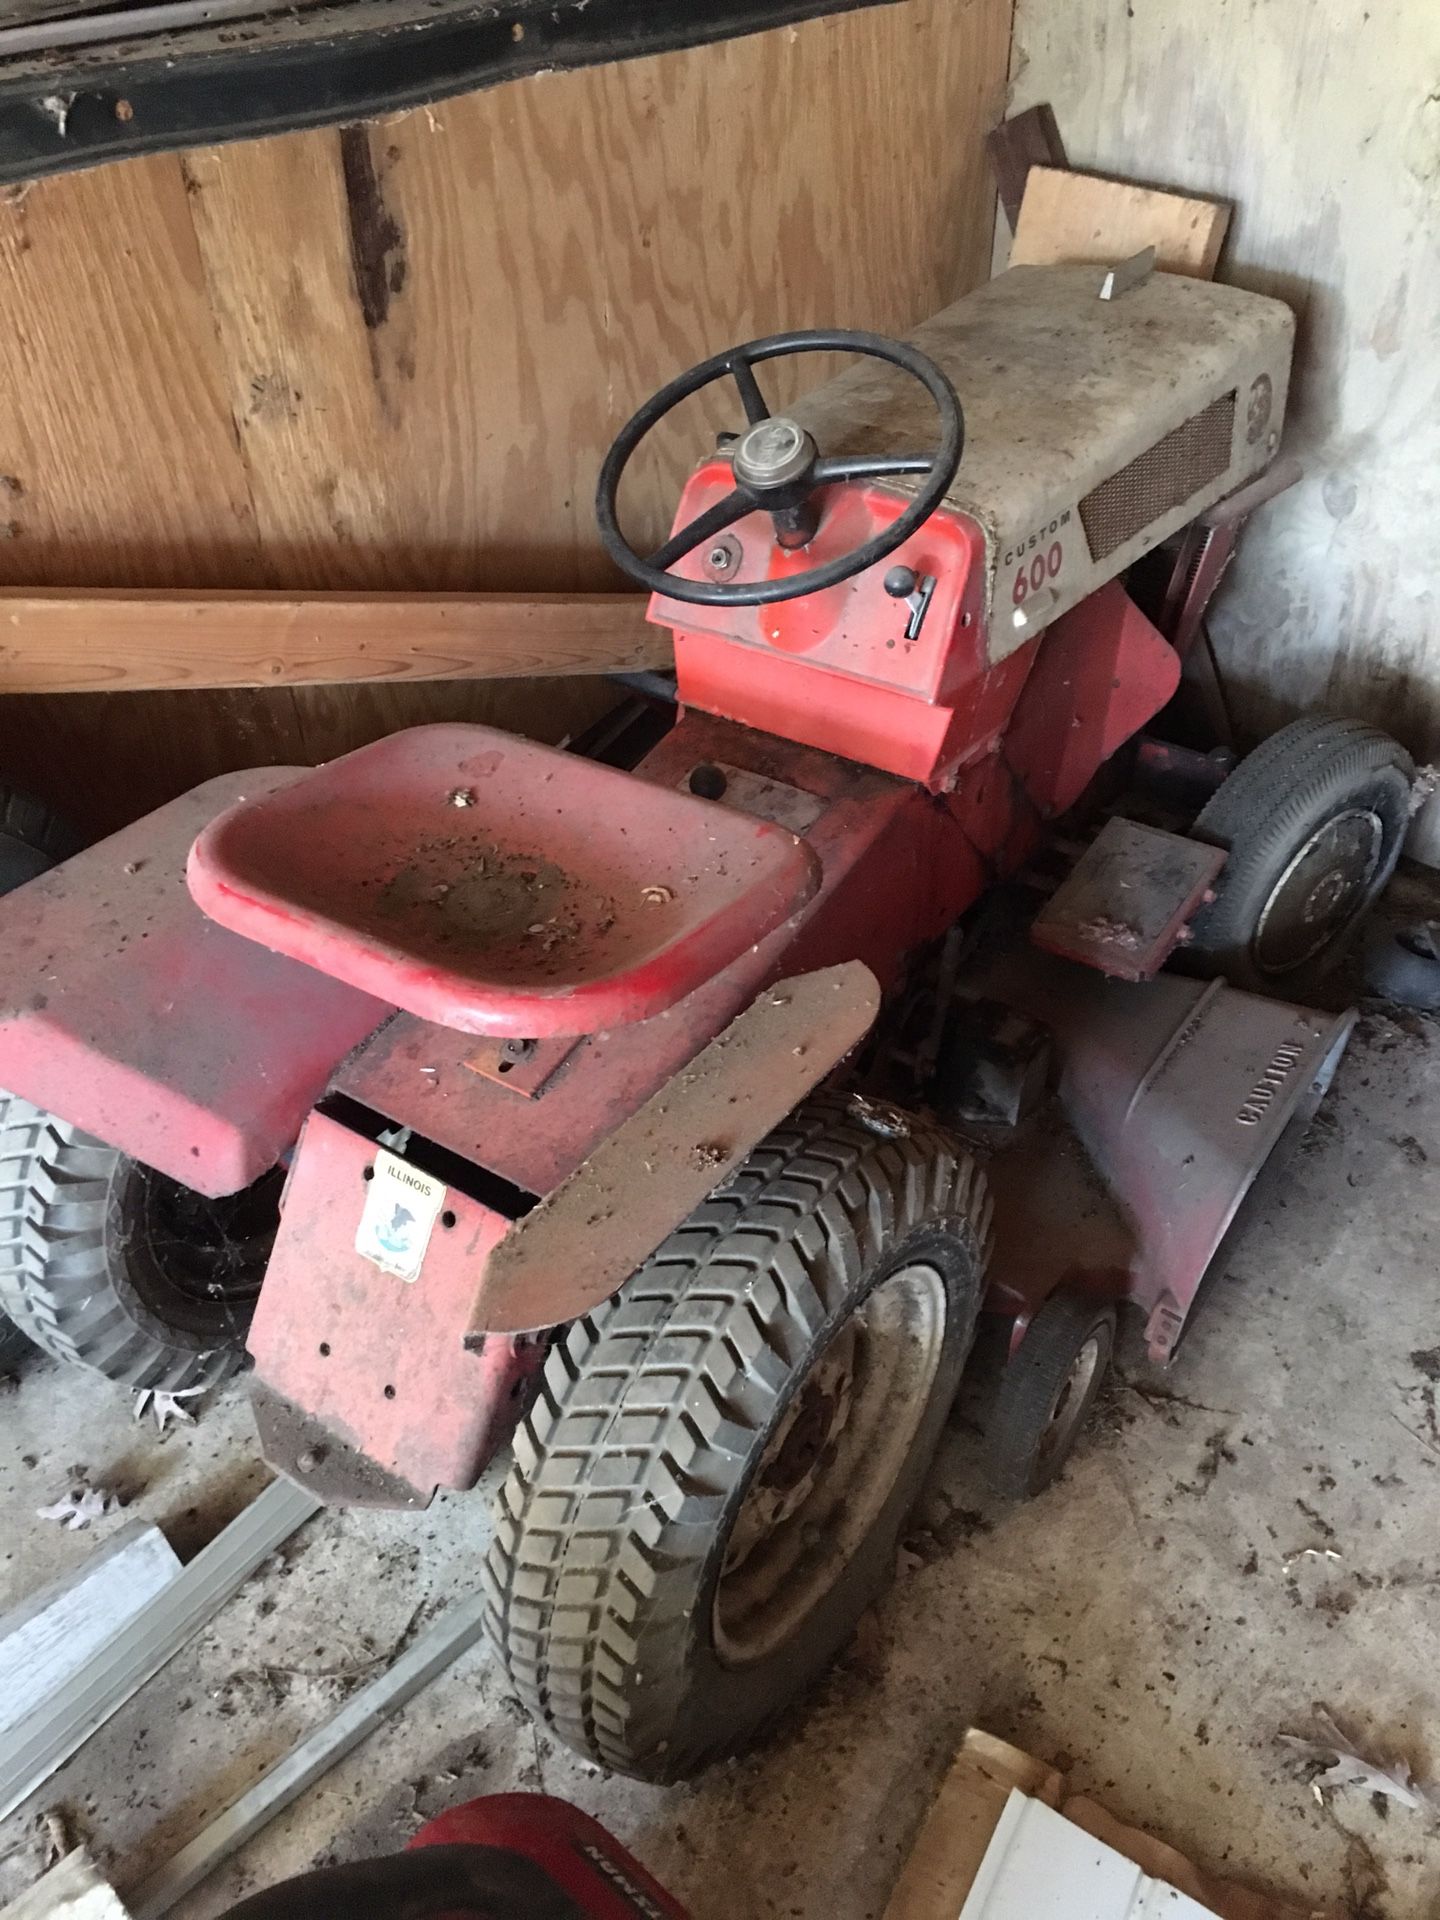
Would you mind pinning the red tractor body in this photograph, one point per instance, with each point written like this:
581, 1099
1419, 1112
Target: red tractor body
511, 1017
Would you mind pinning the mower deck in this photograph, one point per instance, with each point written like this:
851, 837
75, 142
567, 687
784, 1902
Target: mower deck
1172, 1096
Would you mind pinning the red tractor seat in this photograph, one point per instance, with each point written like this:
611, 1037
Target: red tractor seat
496, 886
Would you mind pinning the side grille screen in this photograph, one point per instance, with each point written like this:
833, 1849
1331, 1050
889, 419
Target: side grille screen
1165, 476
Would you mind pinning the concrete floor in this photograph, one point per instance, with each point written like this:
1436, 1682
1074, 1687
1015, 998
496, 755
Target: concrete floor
1144, 1620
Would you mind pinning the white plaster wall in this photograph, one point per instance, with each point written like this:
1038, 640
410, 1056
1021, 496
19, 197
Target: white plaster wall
1320, 120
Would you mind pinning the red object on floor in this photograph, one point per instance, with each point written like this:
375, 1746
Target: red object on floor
577, 1853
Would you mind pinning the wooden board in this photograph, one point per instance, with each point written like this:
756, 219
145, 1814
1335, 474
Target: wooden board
73, 1889
390, 359
941, 1866
59, 642
943, 1870
1080, 217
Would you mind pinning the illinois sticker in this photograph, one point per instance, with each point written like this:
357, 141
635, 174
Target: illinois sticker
401, 1208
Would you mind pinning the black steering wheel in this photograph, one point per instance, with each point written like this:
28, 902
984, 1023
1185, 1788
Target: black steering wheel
777, 467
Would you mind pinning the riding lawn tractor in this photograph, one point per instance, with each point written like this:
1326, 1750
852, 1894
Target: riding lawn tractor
666, 1120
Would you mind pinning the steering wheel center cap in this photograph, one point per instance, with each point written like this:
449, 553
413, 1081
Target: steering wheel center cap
773, 453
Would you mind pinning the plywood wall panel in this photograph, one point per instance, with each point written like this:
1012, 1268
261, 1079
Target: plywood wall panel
392, 356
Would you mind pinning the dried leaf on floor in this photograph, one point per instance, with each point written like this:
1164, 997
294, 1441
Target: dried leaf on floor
166, 1406
1341, 1764
77, 1508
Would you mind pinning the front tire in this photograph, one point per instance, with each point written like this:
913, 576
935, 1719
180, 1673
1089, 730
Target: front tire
708, 1492
1046, 1393
1312, 822
107, 1264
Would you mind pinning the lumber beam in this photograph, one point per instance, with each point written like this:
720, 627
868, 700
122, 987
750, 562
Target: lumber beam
59, 641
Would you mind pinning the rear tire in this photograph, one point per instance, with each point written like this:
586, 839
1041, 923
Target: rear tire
15, 1346
709, 1489
1312, 822
109, 1265
32, 838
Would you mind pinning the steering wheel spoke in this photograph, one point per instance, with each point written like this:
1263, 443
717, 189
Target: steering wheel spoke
751, 398
868, 466
736, 504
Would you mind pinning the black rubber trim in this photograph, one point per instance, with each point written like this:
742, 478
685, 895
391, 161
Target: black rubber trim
489, 1189
318, 67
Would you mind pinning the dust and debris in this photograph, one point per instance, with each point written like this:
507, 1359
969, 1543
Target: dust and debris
1317, 1520
706, 1155
271, 1685
1299, 1554
1426, 1360
1217, 1450
56, 108
657, 896
1101, 930
940, 1533
519, 909
460, 797
879, 1117
1414, 1154
56, 1837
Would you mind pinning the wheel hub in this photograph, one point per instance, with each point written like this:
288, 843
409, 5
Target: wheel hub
1322, 890
1071, 1402
830, 1464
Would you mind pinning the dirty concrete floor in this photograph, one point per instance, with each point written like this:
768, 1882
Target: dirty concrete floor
1147, 1619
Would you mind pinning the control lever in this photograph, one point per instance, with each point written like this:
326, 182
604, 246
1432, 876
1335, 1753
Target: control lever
916, 590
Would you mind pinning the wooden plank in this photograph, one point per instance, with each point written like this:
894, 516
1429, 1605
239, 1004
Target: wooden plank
1073, 217
940, 1868
73, 1889
56, 1632
1024, 141
60, 642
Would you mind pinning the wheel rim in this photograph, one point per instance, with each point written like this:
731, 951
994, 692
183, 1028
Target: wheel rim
831, 1464
1072, 1402
1321, 892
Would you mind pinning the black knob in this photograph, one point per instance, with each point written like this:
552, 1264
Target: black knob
900, 582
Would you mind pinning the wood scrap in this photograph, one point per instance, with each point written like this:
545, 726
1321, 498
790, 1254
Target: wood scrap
73, 1889
122, 642
942, 1866
1068, 217
1025, 140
